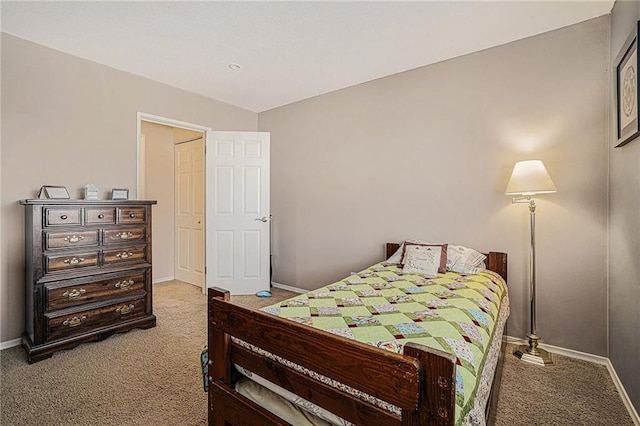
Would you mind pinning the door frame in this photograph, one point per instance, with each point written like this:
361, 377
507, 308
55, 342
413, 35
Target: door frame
142, 116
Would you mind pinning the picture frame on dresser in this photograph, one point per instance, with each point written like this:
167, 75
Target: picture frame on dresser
88, 272
627, 90
119, 194
53, 192
91, 192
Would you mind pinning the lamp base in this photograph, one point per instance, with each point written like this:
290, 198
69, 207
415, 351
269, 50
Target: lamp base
541, 357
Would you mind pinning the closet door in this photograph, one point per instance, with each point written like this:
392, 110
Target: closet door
189, 214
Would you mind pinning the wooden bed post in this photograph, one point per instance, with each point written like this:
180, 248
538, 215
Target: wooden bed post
437, 395
219, 347
497, 262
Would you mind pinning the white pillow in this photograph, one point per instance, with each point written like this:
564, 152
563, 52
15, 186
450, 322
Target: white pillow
397, 256
465, 260
423, 260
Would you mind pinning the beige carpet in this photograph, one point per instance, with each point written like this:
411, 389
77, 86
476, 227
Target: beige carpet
152, 377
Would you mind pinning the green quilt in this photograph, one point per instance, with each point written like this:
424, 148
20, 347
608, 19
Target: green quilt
384, 308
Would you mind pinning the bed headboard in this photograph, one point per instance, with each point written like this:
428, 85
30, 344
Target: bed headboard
496, 261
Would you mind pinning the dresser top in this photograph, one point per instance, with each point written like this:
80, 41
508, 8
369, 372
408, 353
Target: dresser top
65, 202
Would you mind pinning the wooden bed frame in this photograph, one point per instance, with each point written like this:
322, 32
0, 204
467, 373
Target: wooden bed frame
421, 381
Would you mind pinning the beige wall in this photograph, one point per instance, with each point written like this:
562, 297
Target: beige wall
427, 154
624, 231
68, 121
183, 135
352, 169
159, 186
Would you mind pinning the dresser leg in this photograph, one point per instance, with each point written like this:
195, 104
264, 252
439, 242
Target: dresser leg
34, 355
33, 358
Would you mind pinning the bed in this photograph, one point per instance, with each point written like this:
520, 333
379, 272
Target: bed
356, 382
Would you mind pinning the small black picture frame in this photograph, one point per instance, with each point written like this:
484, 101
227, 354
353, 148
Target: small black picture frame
119, 194
627, 90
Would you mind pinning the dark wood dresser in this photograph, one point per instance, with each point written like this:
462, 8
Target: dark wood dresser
88, 272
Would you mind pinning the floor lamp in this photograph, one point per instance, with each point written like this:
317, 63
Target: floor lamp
527, 179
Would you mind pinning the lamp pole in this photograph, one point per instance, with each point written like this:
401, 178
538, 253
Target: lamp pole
532, 353
533, 338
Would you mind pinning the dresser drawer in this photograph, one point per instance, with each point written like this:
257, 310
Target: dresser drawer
69, 262
99, 215
125, 234
54, 240
59, 295
67, 323
131, 215
62, 216
125, 255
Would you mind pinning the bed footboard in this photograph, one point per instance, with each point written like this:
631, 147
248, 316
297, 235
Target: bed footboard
420, 382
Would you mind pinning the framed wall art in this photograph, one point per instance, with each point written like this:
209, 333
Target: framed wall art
626, 90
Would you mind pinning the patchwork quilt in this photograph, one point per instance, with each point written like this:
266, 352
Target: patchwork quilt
383, 307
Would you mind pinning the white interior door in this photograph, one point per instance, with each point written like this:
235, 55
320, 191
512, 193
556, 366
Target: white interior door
237, 211
189, 214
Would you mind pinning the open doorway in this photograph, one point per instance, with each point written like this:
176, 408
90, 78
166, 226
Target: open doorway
171, 170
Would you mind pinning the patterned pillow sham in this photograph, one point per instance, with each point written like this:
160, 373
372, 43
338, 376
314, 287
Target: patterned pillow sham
422, 259
442, 267
465, 260
460, 259
396, 258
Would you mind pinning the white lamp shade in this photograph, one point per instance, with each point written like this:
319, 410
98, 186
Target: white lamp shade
528, 178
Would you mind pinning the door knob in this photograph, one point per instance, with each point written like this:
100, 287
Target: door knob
262, 219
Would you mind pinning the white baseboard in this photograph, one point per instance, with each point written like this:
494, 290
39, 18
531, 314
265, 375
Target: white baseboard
563, 351
623, 393
289, 288
570, 353
164, 279
10, 344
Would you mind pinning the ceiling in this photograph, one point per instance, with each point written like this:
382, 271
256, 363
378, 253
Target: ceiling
287, 51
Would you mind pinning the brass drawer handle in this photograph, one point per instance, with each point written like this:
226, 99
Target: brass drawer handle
63, 217
75, 321
124, 255
100, 216
74, 293
132, 215
124, 235
125, 309
123, 285
74, 260
73, 238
